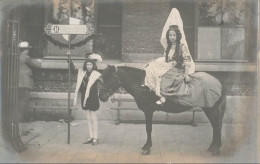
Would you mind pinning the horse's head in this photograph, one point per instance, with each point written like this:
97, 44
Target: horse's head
110, 83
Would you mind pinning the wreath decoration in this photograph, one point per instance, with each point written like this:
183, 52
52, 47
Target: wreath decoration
56, 41
76, 40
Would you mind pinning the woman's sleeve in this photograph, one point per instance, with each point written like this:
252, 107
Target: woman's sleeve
186, 55
33, 63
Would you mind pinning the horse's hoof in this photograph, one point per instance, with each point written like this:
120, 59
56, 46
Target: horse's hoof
146, 152
213, 148
210, 149
215, 152
144, 147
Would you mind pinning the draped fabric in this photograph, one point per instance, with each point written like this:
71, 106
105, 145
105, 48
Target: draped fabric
157, 68
174, 18
203, 91
92, 79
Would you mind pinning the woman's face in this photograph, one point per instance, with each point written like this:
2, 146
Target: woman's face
172, 36
89, 66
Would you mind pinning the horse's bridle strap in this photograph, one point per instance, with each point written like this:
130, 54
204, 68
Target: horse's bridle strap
110, 91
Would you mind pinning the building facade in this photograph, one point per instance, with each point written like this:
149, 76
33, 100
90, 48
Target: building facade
221, 35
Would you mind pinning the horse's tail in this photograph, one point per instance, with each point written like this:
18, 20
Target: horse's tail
221, 103
224, 91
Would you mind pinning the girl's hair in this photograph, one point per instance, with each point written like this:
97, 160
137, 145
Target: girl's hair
176, 29
89, 61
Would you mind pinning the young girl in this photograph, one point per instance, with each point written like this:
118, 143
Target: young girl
87, 86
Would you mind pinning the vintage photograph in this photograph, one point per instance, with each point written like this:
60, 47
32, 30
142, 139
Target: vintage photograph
129, 81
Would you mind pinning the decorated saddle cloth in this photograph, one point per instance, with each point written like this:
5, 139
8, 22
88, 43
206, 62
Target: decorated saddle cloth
203, 91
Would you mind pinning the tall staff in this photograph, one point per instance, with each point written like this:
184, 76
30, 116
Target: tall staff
69, 81
58, 29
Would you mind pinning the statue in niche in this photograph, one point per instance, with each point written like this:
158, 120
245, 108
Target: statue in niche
89, 11
64, 11
78, 9
210, 12
233, 12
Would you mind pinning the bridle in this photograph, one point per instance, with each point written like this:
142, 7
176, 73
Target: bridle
110, 92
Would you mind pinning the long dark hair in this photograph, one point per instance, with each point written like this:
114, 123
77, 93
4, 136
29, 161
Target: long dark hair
176, 29
89, 61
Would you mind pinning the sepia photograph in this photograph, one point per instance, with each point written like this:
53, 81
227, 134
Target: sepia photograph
129, 81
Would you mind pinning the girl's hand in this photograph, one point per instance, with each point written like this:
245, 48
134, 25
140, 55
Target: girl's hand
68, 54
187, 78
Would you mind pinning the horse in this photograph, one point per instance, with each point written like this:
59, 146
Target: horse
131, 79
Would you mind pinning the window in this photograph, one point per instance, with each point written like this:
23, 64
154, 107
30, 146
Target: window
109, 23
223, 32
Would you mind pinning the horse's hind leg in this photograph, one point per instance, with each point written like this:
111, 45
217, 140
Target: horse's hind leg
215, 116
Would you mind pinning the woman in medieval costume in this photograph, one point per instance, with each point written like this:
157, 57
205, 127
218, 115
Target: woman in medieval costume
176, 58
87, 79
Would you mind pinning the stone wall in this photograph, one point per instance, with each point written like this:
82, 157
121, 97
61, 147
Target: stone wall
143, 22
52, 80
56, 80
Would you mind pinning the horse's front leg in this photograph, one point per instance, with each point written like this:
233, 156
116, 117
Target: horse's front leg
149, 118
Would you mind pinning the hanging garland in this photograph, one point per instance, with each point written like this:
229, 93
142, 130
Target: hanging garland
73, 45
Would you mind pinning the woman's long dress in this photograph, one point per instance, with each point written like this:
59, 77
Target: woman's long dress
167, 79
156, 69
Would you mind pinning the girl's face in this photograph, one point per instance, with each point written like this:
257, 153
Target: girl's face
172, 36
89, 66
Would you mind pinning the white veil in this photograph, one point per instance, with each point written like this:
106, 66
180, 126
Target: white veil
173, 19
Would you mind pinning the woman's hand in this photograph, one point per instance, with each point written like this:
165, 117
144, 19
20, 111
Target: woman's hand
187, 78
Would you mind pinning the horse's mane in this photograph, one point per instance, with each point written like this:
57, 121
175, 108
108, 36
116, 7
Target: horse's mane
133, 70
135, 73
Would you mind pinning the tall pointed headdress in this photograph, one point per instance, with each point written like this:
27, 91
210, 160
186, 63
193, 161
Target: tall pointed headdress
173, 19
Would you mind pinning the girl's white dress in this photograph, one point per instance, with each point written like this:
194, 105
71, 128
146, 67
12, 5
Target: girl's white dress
157, 68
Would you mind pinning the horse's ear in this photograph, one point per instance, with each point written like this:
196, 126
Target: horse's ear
111, 67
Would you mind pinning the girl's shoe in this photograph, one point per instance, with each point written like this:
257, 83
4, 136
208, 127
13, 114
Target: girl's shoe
89, 141
95, 141
161, 101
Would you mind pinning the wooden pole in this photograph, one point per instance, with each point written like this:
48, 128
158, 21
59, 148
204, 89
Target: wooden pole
69, 109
